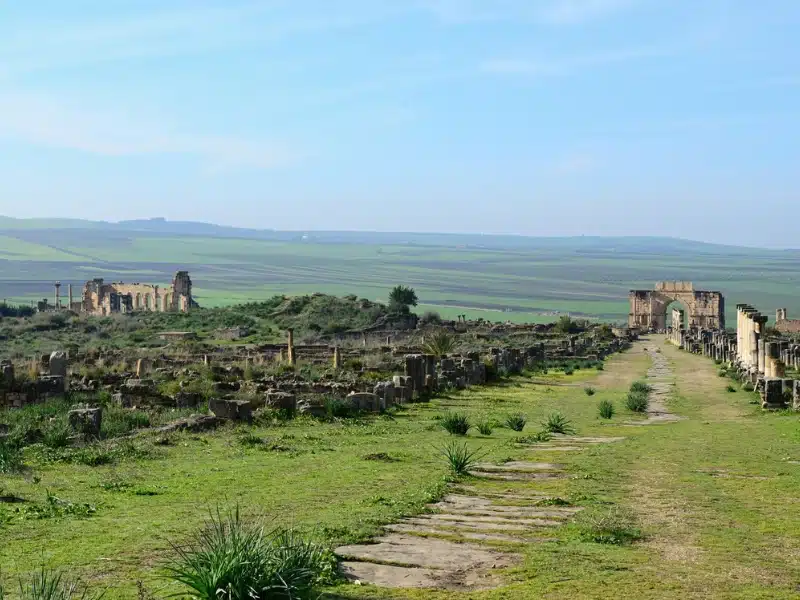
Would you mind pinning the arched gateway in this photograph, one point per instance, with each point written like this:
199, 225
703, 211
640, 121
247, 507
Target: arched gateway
705, 310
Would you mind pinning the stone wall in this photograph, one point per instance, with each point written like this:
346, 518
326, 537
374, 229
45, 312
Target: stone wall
100, 298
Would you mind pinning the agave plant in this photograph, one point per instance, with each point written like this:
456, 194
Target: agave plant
460, 458
557, 423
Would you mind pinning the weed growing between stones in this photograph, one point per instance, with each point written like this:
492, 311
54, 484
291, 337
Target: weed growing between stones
607, 526
460, 458
605, 409
541, 436
243, 561
557, 423
516, 422
456, 423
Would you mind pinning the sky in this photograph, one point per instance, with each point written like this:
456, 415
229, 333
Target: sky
535, 117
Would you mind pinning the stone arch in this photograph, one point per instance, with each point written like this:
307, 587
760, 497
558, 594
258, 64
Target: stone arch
148, 302
648, 310
137, 302
166, 300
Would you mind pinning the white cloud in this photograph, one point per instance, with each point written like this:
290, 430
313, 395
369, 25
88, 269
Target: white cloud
37, 120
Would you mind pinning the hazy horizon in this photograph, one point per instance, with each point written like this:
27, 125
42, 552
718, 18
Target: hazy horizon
556, 118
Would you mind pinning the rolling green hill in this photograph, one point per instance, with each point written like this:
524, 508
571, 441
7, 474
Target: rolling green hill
495, 277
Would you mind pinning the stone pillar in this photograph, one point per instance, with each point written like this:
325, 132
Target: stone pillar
69, 295
364, 339
780, 315
58, 295
388, 340
415, 369
156, 300
762, 352
337, 357
290, 346
57, 365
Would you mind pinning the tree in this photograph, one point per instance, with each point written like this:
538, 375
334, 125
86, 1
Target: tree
401, 298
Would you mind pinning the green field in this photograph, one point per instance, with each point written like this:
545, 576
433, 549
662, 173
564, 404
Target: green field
493, 277
719, 517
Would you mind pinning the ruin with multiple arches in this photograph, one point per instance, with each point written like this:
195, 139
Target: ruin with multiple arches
648, 308
101, 298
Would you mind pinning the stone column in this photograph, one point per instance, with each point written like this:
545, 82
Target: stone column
290, 346
69, 295
762, 352
58, 295
337, 357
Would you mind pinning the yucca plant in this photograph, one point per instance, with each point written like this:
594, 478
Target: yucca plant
557, 423
460, 458
516, 422
606, 409
456, 423
440, 344
235, 560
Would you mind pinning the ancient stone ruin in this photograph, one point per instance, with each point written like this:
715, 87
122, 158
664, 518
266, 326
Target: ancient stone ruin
100, 298
648, 309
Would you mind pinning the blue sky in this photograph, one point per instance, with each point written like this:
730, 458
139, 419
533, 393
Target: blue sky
537, 117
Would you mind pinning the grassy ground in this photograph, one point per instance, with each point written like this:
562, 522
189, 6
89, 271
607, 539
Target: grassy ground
716, 493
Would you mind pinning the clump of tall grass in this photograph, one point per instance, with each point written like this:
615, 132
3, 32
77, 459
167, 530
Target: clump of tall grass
232, 559
456, 423
47, 584
637, 402
605, 408
460, 458
557, 423
607, 526
640, 387
484, 427
516, 422
589, 390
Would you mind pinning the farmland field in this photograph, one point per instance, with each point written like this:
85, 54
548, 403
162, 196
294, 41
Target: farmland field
494, 277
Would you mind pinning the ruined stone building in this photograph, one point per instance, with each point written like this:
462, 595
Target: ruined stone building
649, 307
100, 298
784, 324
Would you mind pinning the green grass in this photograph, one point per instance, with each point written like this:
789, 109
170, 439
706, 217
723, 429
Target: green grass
716, 515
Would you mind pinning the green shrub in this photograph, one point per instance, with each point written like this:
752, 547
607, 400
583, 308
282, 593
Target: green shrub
10, 456
640, 387
337, 408
456, 423
231, 559
516, 422
569, 371
599, 366
557, 423
460, 458
485, 428
748, 387
606, 409
637, 401
440, 344
607, 526
722, 373
57, 434
589, 390
730, 388
119, 421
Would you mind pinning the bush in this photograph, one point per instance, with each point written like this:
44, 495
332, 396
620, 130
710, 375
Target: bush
119, 421
235, 560
10, 456
748, 387
516, 422
607, 526
599, 366
568, 371
430, 317
557, 423
730, 388
637, 401
456, 423
336, 408
460, 458
589, 390
606, 409
640, 387
722, 373
485, 428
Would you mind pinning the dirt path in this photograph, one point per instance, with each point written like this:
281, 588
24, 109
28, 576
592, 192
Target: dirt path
451, 547
661, 379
